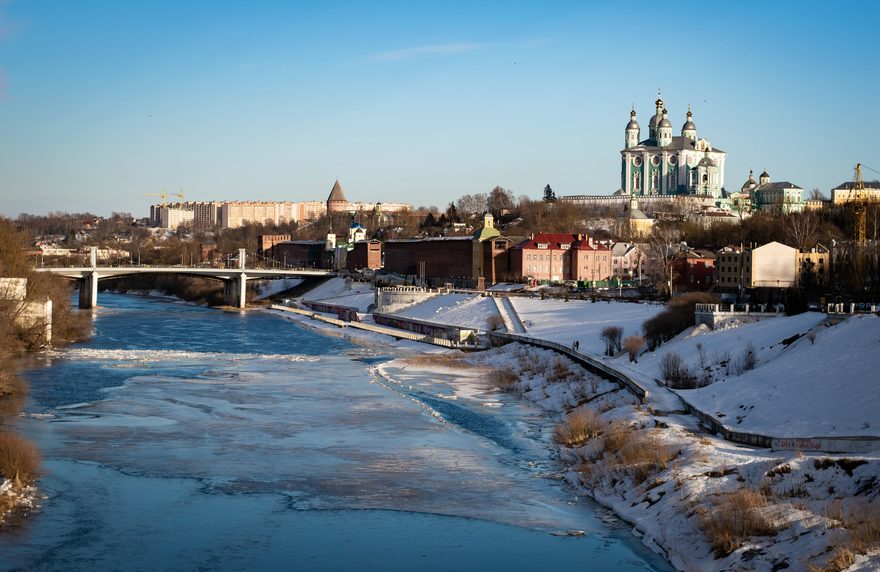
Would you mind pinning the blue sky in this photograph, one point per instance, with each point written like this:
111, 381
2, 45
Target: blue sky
103, 101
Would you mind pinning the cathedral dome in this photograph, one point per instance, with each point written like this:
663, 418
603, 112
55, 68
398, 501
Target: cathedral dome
633, 124
706, 162
665, 123
765, 175
689, 126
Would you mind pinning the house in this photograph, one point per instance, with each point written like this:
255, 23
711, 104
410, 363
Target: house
813, 265
557, 257
627, 259
694, 269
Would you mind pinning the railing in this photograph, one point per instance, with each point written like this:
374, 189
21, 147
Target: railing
841, 444
739, 309
394, 332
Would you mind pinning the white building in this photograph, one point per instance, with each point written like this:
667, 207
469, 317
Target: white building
171, 218
667, 165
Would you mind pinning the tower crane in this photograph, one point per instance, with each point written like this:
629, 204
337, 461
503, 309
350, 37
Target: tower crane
164, 196
860, 199
859, 207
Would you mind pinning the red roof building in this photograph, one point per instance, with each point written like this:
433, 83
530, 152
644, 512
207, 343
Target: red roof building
557, 257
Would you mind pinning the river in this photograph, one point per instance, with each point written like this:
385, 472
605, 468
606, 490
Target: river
186, 438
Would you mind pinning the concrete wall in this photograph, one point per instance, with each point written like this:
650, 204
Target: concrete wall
774, 265
390, 300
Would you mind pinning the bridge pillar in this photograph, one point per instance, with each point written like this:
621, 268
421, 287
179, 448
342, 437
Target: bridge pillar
88, 290
235, 291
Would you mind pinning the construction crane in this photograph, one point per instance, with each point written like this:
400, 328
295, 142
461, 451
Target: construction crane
860, 208
164, 196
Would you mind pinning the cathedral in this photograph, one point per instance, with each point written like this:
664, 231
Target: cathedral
664, 165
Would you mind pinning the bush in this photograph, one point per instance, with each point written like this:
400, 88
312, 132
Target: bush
504, 377
736, 517
748, 361
494, 323
578, 428
678, 316
19, 458
12, 385
675, 371
560, 371
633, 346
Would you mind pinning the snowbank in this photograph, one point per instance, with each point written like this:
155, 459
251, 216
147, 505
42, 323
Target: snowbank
466, 310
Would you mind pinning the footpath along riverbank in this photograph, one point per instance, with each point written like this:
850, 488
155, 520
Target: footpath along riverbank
701, 501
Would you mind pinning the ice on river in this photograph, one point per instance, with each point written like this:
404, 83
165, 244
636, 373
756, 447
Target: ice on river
324, 430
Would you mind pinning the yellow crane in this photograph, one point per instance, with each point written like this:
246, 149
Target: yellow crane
164, 196
860, 206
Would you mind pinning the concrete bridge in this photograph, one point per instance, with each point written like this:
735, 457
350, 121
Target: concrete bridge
234, 279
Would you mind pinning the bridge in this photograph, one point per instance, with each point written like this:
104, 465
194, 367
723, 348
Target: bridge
234, 279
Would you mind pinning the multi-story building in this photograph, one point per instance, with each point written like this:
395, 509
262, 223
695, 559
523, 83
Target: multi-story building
843, 193
171, 218
781, 197
694, 270
815, 262
234, 214
557, 257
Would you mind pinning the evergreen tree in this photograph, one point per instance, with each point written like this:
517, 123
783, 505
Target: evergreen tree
549, 195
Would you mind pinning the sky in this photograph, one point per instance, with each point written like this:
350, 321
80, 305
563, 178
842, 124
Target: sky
103, 102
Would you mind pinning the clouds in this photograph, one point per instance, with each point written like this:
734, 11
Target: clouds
434, 50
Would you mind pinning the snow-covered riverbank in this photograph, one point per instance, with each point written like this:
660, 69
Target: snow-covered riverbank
703, 502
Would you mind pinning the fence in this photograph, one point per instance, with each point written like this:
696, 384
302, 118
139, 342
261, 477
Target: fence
589, 363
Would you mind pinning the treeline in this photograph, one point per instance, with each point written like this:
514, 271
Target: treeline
190, 288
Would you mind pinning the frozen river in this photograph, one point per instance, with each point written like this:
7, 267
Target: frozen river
184, 438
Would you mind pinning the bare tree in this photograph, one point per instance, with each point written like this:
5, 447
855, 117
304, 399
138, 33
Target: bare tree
472, 204
611, 336
500, 200
801, 229
816, 195
665, 250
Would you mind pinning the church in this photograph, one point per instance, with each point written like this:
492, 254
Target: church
664, 165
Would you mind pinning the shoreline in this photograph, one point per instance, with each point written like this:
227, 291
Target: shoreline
704, 473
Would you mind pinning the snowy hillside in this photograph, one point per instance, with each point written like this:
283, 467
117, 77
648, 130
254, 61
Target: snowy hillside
467, 310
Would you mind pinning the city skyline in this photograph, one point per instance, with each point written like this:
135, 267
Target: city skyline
101, 104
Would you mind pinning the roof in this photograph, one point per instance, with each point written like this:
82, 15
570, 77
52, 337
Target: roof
430, 239
847, 186
678, 143
778, 186
336, 193
485, 233
555, 240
